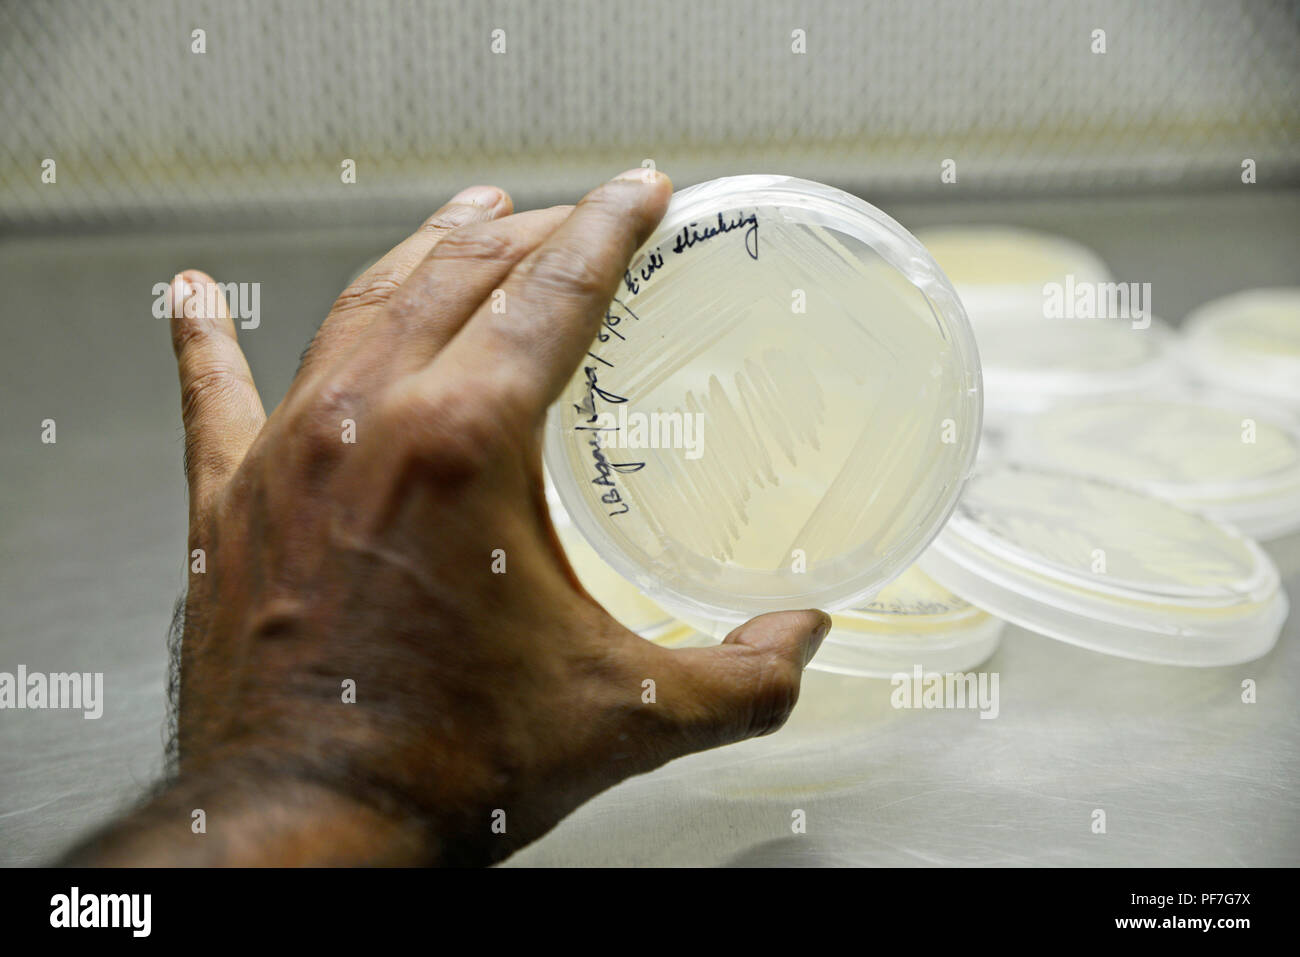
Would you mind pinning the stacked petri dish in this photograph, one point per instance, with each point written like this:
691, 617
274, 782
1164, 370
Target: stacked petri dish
1247, 345
1209, 454
1109, 568
913, 622
1000, 271
1036, 304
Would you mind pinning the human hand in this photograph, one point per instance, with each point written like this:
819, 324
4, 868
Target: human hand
349, 541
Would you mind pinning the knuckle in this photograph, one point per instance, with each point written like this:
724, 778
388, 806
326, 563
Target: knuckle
318, 426
333, 399
567, 271
452, 217
188, 336
471, 243
368, 291
449, 437
776, 690
209, 386
620, 208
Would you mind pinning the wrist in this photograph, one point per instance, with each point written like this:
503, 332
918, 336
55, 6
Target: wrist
244, 813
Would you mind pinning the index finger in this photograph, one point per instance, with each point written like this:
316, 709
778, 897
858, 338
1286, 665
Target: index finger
356, 307
531, 338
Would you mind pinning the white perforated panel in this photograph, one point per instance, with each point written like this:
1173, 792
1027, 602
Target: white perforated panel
142, 129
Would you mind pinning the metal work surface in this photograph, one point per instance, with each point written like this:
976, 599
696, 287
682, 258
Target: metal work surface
92, 545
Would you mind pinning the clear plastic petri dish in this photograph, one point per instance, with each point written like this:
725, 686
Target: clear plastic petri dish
1000, 271
913, 621
1228, 462
1248, 342
1109, 568
780, 407
625, 603
1031, 365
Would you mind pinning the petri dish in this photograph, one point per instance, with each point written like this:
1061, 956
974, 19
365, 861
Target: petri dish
1225, 461
1109, 568
628, 606
779, 410
1031, 365
913, 621
1000, 271
1248, 343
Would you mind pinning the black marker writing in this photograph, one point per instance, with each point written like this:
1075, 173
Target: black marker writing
693, 234
605, 469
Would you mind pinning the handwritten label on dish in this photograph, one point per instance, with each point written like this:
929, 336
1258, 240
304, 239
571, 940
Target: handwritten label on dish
689, 236
590, 410
693, 234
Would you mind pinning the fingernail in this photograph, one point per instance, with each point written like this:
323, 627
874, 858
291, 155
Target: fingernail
643, 174
818, 635
485, 197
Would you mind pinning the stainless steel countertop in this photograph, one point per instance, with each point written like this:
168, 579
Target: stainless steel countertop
92, 546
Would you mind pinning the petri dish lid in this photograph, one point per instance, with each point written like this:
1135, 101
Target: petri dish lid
913, 621
779, 410
1225, 461
1032, 364
1109, 568
1248, 342
1000, 271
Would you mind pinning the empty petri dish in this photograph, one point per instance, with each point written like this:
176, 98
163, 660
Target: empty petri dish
1000, 271
780, 407
1249, 343
1109, 568
1227, 462
913, 621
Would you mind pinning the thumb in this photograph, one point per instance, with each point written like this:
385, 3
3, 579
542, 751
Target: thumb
748, 685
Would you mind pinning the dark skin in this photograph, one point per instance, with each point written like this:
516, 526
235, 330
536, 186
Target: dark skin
481, 699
